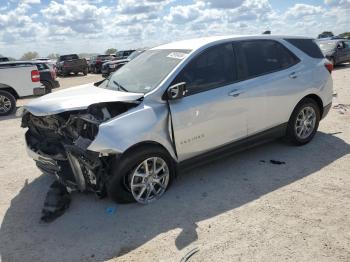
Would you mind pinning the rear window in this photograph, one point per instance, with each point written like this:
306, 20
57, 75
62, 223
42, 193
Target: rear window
308, 46
41, 66
259, 57
69, 57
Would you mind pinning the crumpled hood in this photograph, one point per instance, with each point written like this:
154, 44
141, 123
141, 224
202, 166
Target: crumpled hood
77, 98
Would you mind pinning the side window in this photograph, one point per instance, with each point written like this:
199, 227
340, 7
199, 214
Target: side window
308, 46
347, 44
260, 57
213, 68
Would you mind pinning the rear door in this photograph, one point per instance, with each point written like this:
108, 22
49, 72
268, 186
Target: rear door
212, 113
342, 52
269, 73
347, 49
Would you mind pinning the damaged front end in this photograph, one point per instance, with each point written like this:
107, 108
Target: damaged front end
59, 144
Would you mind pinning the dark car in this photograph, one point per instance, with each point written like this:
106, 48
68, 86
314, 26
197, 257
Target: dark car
112, 66
4, 59
123, 54
47, 73
336, 51
67, 64
97, 61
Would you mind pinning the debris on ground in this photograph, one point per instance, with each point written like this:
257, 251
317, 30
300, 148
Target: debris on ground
111, 210
277, 162
335, 133
56, 202
342, 108
189, 254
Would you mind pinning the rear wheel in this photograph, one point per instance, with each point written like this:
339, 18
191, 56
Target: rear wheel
48, 87
142, 175
7, 103
303, 123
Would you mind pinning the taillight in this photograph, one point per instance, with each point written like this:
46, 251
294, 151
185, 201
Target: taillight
35, 76
329, 66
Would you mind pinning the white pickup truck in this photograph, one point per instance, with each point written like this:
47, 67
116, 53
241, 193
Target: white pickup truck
17, 82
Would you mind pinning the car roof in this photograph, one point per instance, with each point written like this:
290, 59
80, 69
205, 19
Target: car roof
196, 43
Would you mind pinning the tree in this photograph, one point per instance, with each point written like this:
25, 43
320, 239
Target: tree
325, 34
53, 56
110, 51
345, 35
29, 55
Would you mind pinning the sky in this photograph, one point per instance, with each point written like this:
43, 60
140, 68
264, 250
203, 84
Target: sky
92, 26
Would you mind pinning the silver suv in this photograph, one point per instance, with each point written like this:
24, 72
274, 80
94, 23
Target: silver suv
174, 105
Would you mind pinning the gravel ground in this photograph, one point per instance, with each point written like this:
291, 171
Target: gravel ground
234, 209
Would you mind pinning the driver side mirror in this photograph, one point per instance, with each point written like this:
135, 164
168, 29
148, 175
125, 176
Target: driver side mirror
340, 46
176, 91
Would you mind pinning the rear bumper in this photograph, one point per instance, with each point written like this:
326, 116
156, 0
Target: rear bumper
326, 110
39, 91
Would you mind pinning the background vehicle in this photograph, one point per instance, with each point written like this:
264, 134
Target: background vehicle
336, 51
47, 73
123, 54
16, 82
114, 65
48, 61
97, 61
4, 59
176, 105
67, 64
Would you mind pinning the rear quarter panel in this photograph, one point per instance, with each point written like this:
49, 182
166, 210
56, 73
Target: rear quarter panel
19, 78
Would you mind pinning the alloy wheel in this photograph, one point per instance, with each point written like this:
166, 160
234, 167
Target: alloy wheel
5, 104
305, 122
149, 180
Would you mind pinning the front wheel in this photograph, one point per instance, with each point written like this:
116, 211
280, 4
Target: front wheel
303, 123
7, 103
142, 175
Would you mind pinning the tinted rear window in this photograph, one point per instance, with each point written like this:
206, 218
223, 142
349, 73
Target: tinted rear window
308, 46
259, 57
69, 57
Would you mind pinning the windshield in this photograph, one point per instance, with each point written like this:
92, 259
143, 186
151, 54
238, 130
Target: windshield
327, 46
145, 72
135, 54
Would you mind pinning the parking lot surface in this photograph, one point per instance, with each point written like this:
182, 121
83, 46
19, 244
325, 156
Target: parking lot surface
240, 208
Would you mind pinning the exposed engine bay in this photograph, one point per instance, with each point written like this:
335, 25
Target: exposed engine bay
60, 143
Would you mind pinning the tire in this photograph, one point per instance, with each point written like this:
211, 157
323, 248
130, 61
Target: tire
48, 87
76, 73
296, 124
119, 186
7, 103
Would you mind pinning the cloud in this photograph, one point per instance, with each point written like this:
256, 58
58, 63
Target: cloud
140, 6
302, 10
80, 18
338, 3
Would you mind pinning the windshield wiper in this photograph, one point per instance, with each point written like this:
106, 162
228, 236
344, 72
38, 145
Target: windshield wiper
120, 86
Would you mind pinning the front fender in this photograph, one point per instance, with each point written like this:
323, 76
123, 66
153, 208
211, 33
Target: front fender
141, 124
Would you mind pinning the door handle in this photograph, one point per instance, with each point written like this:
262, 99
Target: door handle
293, 75
235, 92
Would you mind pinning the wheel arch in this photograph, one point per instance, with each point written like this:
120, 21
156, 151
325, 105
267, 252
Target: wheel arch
148, 143
317, 99
9, 89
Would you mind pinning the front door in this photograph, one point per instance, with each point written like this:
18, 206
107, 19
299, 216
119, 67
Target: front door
213, 112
